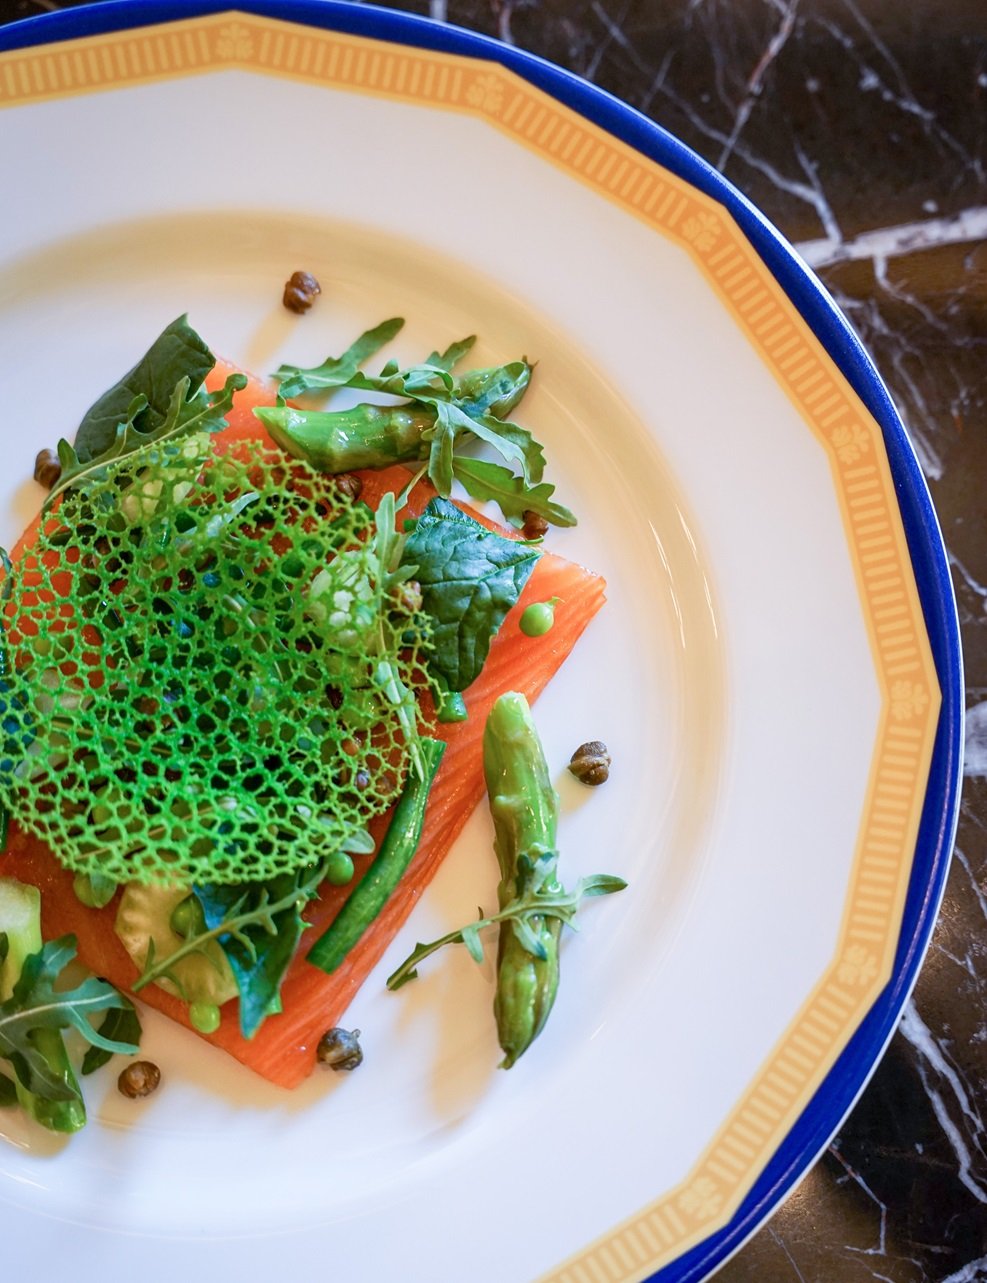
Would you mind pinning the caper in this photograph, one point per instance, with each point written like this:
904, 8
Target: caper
339, 1049
349, 485
591, 763
409, 596
535, 525
300, 291
47, 468
139, 1079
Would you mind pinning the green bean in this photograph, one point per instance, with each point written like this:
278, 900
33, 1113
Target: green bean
397, 849
525, 809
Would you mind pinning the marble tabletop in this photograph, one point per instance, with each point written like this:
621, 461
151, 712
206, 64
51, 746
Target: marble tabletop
859, 127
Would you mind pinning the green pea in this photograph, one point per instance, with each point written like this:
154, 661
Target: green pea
339, 869
539, 617
450, 706
94, 890
187, 919
204, 1017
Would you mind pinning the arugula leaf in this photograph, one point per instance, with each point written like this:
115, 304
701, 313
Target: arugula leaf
120, 1024
336, 372
258, 952
442, 414
489, 481
453, 354
534, 902
8, 1092
204, 412
35, 1005
470, 578
177, 353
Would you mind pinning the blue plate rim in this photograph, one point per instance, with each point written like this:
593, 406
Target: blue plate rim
832, 1102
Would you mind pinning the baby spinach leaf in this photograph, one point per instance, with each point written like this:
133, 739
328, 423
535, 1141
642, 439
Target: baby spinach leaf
177, 353
470, 578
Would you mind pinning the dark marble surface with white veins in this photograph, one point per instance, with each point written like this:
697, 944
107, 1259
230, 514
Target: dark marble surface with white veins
860, 128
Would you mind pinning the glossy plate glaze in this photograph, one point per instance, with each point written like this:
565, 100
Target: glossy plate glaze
776, 672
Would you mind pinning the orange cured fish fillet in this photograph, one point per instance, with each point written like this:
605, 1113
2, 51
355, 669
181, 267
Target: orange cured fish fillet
284, 1049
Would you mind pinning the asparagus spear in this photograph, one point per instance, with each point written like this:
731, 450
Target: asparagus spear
533, 903
375, 436
525, 811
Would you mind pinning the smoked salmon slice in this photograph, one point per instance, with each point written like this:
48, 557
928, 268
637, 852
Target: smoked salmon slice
284, 1048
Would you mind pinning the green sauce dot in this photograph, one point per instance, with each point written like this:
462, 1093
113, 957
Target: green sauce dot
538, 618
187, 919
95, 891
339, 869
204, 1017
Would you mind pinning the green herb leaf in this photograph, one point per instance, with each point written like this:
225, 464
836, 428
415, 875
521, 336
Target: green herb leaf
470, 578
489, 481
8, 1092
35, 1006
454, 353
336, 372
420, 382
177, 353
443, 413
519, 912
120, 1025
260, 950
204, 412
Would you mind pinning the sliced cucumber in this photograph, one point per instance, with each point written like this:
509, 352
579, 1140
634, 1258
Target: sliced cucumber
20, 919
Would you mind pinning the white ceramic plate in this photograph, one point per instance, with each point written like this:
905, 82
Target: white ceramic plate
768, 671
